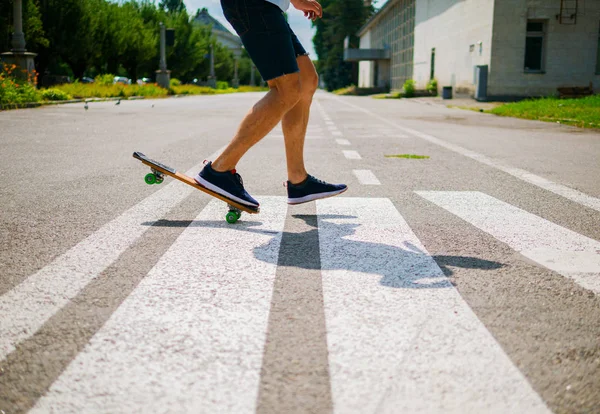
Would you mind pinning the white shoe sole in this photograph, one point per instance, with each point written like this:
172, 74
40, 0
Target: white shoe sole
313, 197
222, 192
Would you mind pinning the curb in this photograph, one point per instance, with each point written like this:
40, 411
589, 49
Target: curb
26, 105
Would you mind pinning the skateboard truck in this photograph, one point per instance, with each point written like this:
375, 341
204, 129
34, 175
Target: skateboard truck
233, 215
155, 177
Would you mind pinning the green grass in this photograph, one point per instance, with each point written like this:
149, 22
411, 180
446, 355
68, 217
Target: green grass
150, 90
583, 113
408, 156
93, 90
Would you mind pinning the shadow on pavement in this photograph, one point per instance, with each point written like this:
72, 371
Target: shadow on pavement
407, 267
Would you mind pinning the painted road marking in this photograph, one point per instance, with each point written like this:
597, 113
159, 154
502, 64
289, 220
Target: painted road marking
30, 304
541, 182
336, 133
557, 248
191, 336
366, 177
352, 155
342, 141
400, 337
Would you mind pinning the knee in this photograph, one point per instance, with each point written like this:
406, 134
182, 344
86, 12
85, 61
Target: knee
290, 91
310, 84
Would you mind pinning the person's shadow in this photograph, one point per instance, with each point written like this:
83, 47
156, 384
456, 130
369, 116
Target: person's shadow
399, 267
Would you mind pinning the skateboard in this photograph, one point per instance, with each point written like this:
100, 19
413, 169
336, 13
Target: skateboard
159, 171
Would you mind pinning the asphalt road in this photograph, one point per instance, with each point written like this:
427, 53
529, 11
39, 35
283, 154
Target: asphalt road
468, 281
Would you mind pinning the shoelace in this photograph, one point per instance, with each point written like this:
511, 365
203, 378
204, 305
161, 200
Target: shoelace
317, 180
238, 178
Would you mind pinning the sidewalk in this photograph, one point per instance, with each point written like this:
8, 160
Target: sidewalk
460, 101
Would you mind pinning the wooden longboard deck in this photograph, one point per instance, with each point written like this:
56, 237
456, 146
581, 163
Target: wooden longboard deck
171, 172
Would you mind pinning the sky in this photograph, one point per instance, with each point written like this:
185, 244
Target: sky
300, 24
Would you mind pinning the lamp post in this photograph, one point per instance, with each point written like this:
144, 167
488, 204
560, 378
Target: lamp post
163, 76
19, 54
237, 53
252, 78
212, 79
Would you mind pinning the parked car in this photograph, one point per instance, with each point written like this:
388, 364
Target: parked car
122, 79
143, 81
85, 79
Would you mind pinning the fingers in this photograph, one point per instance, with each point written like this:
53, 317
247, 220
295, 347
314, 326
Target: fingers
314, 7
310, 15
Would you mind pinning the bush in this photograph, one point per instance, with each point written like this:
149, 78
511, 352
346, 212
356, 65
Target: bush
105, 79
432, 87
14, 90
54, 94
222, 85
175, 82
409, 88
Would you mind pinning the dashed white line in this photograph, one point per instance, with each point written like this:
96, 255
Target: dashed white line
541, 182
352, 155
342, 141
366, 177
336, 133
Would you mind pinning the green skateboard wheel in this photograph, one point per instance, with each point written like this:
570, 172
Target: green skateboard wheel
238, 214
231, 217
150, 178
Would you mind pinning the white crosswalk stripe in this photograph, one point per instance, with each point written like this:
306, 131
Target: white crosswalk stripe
401, 339
191, 336
555, 247
29, 305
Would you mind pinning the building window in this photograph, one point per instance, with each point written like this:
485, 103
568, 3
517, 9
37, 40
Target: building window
534, 46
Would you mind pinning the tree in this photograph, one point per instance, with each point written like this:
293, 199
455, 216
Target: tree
138, 40
341, 18
172, 6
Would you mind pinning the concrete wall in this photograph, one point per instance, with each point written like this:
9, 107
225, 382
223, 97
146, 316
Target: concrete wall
570, 50
461, 33
366, 69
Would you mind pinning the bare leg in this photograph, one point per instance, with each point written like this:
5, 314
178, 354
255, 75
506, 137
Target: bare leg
261, 119
295, 121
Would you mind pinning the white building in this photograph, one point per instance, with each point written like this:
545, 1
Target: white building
525, 47
224, 36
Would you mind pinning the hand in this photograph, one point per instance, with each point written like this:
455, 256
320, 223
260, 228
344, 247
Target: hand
311, 8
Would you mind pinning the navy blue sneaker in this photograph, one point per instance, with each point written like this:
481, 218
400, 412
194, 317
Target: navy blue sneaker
312, 189
228, 184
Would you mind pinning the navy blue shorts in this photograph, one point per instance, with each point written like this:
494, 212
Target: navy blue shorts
266, 35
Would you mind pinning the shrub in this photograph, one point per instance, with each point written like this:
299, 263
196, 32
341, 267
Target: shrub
105, 79
16, 90
54, 94
222, 85
432, 87
175, 82
409, 88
